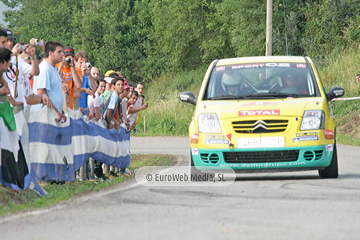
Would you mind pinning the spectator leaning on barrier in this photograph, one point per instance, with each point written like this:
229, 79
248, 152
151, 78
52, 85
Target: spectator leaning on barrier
4, 84
138, 106
5, 55
49, 83
113, 103
94, 103
25, 82
108, 79
123, 116
131, 89
131, 103
19, 73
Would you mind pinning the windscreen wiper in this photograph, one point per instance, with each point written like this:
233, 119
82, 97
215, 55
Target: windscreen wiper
226, 97
272, 95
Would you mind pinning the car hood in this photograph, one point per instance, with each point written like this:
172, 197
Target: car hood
278, 107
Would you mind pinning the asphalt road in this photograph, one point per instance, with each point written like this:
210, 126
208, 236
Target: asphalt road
297, 205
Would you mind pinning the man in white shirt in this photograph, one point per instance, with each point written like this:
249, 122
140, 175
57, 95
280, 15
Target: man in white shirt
49, 83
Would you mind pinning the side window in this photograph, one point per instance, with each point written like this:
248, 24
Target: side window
311, 84
215, 88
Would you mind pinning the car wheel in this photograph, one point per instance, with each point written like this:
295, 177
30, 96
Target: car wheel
332, 170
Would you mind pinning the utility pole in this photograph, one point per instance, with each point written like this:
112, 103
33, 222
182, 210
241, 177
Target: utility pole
269, 5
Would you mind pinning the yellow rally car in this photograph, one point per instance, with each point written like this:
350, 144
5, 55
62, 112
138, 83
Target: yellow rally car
259, 114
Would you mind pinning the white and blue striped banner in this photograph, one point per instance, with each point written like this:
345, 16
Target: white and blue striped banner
14, 171
57, 149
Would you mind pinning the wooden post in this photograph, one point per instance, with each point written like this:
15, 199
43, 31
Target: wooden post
144, 124
106, 168
269, 27
82, 172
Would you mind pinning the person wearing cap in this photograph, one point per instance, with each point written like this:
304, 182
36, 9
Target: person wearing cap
10, 39
107, 74
3, 38
19, 72
69, 75
10, 42
109, 77
5, 56
131, 90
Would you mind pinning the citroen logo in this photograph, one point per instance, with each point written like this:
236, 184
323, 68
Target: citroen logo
259, 124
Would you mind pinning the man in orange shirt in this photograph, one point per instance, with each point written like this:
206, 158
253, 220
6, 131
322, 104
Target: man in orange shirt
69, 75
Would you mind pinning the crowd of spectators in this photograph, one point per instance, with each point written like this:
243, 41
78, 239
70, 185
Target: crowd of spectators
63, 79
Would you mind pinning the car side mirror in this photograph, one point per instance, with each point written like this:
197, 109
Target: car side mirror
335, 92
188, 97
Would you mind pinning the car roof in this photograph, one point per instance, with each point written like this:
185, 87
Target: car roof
261, 59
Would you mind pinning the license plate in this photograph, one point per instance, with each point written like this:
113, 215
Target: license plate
261, 142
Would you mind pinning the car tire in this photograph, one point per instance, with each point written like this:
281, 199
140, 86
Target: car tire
332, 170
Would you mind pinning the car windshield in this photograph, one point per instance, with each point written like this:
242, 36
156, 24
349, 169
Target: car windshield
260, 81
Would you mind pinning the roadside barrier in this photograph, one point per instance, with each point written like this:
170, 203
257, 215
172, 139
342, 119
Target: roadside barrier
55, 150
342, 99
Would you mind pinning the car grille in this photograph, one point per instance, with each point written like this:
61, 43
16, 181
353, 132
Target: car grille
260, 126
262, 156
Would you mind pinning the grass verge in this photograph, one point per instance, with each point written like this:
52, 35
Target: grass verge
11, 201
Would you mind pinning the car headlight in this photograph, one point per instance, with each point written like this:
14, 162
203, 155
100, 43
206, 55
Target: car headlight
313, 119
209, 123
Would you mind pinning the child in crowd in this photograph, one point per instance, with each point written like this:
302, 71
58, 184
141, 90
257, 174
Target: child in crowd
113, 103
123, 116
138, 118
111, 108
132, 116
94, 103
138, 106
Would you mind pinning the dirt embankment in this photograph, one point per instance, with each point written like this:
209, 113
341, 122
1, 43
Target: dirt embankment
351, 124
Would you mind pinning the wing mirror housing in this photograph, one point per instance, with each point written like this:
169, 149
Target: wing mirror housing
188, 97
335, 92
